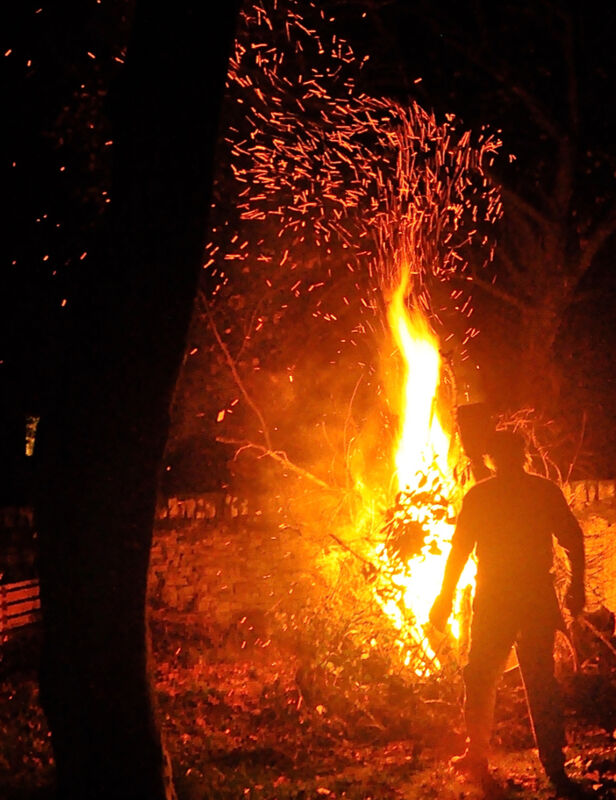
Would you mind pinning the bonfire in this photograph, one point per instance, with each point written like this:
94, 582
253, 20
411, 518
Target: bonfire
352, 211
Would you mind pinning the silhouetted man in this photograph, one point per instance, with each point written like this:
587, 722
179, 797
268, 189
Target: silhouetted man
510, 520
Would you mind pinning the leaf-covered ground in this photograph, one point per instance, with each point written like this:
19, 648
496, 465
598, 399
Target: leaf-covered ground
258, 723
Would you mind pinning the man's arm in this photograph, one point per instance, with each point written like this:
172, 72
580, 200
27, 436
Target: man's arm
462, 545
571, 538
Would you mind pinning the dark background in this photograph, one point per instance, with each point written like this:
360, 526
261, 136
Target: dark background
59, 66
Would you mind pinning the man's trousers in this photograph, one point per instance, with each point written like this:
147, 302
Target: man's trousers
493, 633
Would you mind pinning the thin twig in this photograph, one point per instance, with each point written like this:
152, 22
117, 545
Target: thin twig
236, 376
500, 294
350, 550
345, 429
578, 448
280, 457
598, 634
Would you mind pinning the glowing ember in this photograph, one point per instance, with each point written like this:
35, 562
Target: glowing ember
325, 195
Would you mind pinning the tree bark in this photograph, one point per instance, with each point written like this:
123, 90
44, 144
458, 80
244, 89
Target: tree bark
102, 439
539, 377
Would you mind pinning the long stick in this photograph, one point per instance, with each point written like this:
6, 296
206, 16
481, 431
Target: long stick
236, 376
278, 456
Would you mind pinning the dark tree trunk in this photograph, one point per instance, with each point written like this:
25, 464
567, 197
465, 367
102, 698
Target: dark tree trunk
101, 442
539, 375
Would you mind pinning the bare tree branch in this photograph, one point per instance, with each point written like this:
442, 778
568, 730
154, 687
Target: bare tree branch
280, 457
503, 76
567, 143
517, 274
537, 111
350, 550
524, 207
601, 636
597, 239
475, 55
500, 294
236, 376
577, 449
563, 182
347, 421
572, 81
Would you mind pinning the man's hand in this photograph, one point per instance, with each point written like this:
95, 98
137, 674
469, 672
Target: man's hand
440, 612
575, 599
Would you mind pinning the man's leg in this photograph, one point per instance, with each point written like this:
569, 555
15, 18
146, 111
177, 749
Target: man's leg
491, 640
535, 649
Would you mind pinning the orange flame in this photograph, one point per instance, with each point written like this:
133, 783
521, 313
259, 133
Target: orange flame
422, 459
422, 442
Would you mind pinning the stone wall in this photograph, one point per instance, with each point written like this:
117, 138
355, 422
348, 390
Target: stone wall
215, 564
594, 504
221, 570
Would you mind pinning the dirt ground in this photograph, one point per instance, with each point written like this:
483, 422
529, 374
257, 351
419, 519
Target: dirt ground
250, 724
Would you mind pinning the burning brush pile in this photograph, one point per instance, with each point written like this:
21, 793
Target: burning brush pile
335, 316
417, 532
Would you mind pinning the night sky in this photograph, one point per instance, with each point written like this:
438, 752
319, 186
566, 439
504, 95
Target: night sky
60, 63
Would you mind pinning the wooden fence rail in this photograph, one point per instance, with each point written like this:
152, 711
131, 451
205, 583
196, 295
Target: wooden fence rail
20, 605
